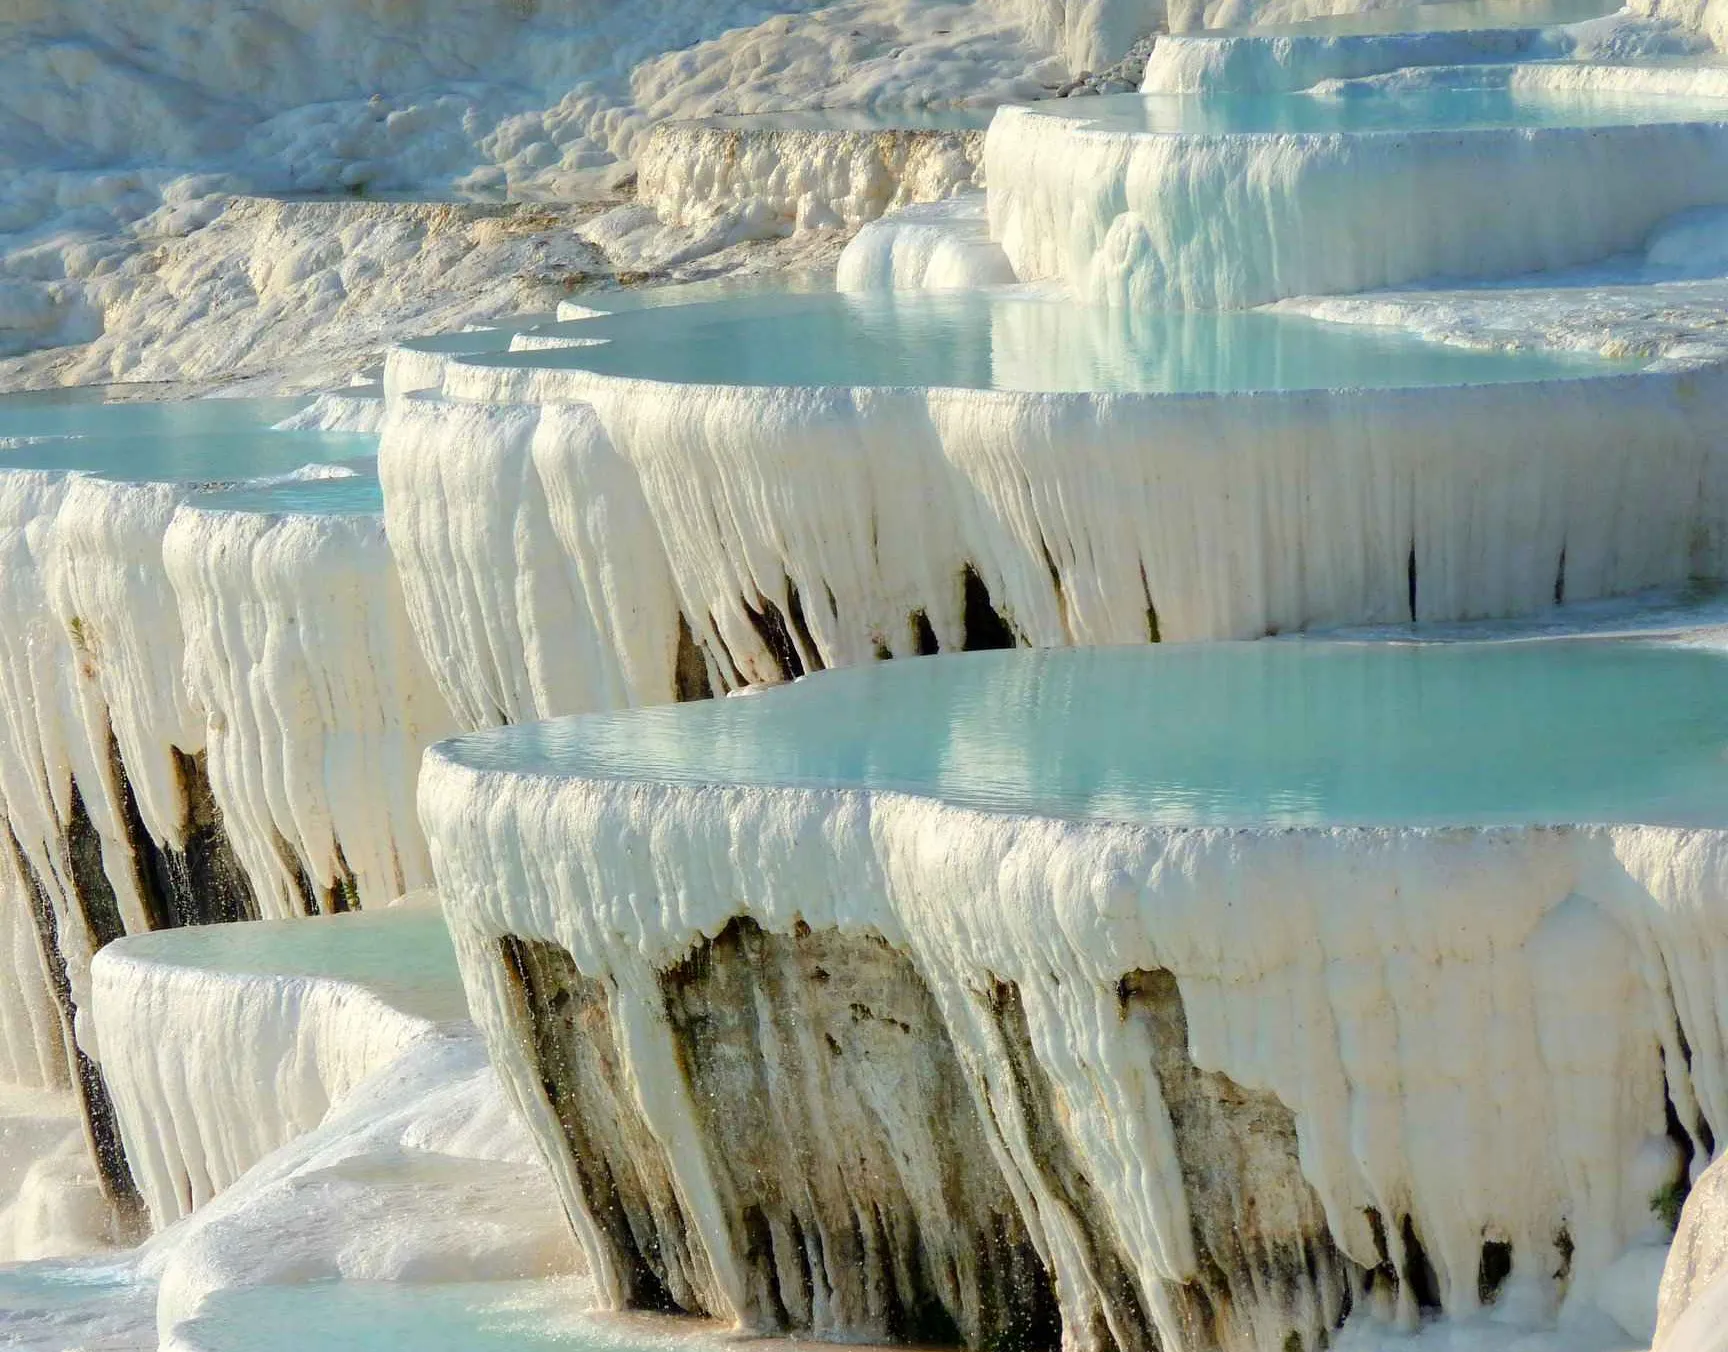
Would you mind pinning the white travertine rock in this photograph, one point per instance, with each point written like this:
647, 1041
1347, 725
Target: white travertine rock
944, 247
804, 177
1476, 1029
224, 1043
1207, 221
1080, 514
315, 698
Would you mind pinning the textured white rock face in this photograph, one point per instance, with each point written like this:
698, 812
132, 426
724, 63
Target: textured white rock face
298, 292
428, 94
207, 715
32, 1050
51, 1204
1160, 220
1248, 63
930, 248
1476, 1031
1701, 16
1079, 514
107, 586
127, 128
420, 1173
213, 1065
270, 654
1694, 1304
315, 697
692, 171
57, 764
358, 409
530, 564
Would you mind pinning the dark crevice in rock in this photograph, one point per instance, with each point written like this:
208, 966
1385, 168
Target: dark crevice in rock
690, 673
1126, 1325
1410, 580
924, 635
1493, 1269
1153, 633
344, 893
800, 627
1668, 1201
92, 890
618, 1163
1419, 1274
1266, 1253
203, 884
1383, 1276
101, 1127
981, 622
771, 627
837, 1122
1701, 1127
209, 886
305, 889
1056, 586
1560, 580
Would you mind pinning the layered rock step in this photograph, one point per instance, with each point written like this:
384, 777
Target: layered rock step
964, 997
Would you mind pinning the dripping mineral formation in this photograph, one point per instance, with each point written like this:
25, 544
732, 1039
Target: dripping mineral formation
971, 998
1181, 995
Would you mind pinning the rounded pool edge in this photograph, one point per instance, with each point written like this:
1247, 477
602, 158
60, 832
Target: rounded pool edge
1318, 683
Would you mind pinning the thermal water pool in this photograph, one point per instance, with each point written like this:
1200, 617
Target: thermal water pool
453, 1317
401, 954
104, 411
1469, 103
169, 455
1286, 734
1004, 340
1436, 16
352, 494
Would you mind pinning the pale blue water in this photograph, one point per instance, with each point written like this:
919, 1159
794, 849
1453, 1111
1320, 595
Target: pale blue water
356, 494
166, 454
797, 282
95, 411
619, 300
421, 1317
1232, 734
57, 1305
1012, 341
1367, 108
859, 119
402, 952
495, 338
1457, 16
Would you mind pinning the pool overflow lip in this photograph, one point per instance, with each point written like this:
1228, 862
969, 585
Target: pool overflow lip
1140, 735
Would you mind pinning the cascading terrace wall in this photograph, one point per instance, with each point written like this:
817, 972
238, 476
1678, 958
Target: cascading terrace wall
1234, 1082
571, 542
251, 693
207, 716
1188, 220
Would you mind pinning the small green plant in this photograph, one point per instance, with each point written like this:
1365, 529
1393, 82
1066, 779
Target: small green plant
1667, 1201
